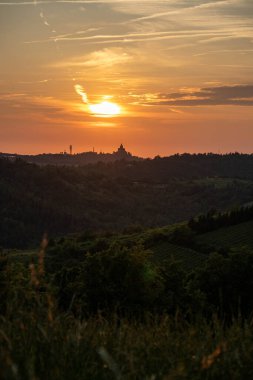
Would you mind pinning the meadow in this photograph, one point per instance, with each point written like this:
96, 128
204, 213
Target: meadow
138, 301
166, 320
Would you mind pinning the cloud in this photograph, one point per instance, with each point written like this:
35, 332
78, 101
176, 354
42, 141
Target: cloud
224, 51
106, 38
205, 35
72, 2
183, 9
43, 105
80, 91
47, 109
35, 2
238, 95
101, 58
217, 23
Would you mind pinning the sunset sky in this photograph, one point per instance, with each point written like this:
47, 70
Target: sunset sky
161, 77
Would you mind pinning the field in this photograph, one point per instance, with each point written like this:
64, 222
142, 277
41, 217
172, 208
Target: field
233, 236
222, 182
240, 235
189, 258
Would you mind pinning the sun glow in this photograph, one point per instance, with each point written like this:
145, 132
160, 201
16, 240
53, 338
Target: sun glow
105, 109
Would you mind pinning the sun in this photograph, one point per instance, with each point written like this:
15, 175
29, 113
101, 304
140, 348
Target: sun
105, 109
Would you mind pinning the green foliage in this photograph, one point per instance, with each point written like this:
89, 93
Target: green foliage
3, 278
115, 196
66, 252
213, 220
116, 279
183, 236
146, 304
158, 348
226, 283
189, 258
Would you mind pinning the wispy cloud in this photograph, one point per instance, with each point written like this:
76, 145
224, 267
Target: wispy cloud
240, 95
206, 35
38, 104
72, 2
80, 91
101, 58
48, 109
224, 51
50, 2
181, 10
105, 38
78, 33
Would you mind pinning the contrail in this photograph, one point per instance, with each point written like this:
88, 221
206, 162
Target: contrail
80, 91
35, 2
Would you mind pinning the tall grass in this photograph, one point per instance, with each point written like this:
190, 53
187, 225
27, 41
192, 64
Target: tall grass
100, 349
39, 342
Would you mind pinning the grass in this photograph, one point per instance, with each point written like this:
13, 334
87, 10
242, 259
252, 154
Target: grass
38, 341
160, 348
21, 256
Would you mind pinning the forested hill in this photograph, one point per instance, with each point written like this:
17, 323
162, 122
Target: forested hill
157, 169
185, 166
58, 199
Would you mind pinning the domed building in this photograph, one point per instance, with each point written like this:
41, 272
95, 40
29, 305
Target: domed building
122, 154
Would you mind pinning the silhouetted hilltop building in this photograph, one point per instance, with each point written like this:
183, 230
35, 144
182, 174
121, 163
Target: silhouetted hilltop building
122, 154
77, 159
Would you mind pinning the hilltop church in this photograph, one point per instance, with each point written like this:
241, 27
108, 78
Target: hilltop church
122, 154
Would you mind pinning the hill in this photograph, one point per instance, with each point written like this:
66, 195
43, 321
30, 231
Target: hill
59, 200
70, 159
240, 235
109, 301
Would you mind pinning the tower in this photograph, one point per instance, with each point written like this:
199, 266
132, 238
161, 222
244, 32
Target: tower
70, 149
121, 153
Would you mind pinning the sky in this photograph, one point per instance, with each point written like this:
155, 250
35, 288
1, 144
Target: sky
161, 77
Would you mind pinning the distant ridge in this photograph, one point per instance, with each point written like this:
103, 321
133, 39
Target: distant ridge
77, 159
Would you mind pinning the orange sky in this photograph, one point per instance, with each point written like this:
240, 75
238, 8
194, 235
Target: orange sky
180, 71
